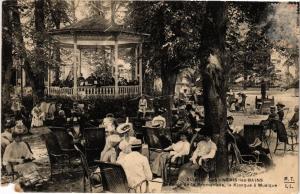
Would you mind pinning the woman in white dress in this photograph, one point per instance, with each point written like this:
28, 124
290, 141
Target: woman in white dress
181, 148
38, 116
18, 158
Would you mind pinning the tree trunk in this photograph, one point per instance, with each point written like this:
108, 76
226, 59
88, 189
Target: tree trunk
214, 74
7, 60
40, 44
21, 46
56, 19
215, 117
245, 81
168, 78
148, 84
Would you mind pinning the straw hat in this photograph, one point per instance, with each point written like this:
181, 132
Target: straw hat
124, 127
280, 104
19, 128
109, 115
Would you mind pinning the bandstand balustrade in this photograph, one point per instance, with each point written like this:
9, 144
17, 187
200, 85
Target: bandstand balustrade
92, 91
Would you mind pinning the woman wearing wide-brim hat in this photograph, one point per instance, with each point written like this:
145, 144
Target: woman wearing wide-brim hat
280, 110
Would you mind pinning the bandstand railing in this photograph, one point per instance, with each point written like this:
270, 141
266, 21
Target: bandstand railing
92, 91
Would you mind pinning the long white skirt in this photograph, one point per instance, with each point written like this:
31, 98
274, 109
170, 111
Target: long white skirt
38, 121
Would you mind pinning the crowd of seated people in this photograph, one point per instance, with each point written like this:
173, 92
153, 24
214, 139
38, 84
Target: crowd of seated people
194, 143
94, 80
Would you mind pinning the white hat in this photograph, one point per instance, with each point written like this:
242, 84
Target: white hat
123, 145
124, 127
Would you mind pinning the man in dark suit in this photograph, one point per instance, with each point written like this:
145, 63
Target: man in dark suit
263, 88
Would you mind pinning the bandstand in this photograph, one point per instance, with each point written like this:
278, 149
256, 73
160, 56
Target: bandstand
93, 33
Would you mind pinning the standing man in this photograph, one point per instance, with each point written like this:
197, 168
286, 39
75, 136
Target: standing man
263, 88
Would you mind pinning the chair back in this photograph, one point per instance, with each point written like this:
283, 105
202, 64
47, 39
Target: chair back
137, 125
113, 177
64, 139
95, 138
279, 127
266, 106
84, 162
265, 124
251, 132
52, 146
151, 137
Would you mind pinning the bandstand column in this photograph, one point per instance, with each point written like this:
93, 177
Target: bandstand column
136, 62
49, 80
140, 68
79, 60
111, 59
116, 50
75, 67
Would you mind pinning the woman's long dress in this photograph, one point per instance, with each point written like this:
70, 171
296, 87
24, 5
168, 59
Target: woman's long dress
37, 117
28, 171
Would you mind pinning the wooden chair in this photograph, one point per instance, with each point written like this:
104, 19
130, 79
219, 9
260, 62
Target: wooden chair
263, 105
94, 142
114, 179
57, 157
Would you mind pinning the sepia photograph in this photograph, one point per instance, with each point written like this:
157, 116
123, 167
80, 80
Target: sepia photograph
127, 96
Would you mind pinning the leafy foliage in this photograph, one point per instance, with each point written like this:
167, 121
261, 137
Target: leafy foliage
174, 29
247, 42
